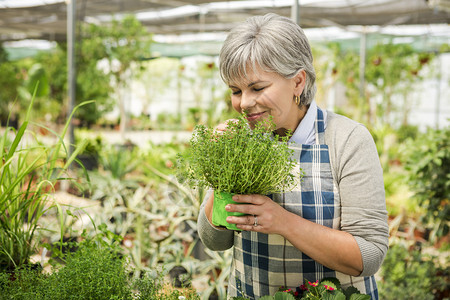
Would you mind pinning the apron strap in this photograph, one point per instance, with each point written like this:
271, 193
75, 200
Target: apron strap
319, 126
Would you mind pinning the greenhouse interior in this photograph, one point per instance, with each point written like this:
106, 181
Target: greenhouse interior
108, 110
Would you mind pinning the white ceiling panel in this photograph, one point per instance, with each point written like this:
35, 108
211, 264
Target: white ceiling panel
46, 19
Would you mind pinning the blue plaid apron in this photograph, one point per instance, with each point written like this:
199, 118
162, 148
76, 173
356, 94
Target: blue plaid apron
265, 262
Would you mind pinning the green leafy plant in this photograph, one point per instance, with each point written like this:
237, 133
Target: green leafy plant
239, 160
326, 289
428, 164
329, 288
279, 296
410, 274
28, 175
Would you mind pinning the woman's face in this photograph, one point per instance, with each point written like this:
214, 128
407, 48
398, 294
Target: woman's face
263, 94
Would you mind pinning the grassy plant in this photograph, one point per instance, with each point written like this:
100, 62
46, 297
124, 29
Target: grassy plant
239, 160
28, 175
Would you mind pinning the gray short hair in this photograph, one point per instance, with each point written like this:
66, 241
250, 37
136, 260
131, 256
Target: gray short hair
272, 42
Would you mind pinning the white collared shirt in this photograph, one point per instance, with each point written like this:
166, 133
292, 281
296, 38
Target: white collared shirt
306, 131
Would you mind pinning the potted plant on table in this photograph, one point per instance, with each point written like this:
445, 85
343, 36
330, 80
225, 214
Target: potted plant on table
239, 160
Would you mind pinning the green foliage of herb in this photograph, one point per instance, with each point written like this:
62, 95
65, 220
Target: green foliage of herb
24, 284
409, 274
239, 160
428, 163
91, 273
96, 270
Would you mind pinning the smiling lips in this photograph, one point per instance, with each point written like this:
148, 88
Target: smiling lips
254, 116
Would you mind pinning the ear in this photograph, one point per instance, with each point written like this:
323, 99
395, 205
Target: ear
299, 82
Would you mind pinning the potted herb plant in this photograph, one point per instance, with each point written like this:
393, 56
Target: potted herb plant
240, 160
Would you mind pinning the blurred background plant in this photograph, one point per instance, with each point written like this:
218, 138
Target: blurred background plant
413, 274
428, 164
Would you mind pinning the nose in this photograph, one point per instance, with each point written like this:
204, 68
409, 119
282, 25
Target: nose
247, 101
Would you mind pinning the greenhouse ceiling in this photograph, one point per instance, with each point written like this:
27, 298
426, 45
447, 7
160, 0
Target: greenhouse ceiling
46, 19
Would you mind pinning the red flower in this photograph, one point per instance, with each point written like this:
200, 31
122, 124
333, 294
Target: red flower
316, 283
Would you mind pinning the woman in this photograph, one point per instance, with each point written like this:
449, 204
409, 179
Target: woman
334, 223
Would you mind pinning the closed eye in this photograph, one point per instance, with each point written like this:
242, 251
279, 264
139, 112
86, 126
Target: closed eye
235, 92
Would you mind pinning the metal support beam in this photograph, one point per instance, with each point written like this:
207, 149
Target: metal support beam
71, 78
362, 63
438, 92
295, 12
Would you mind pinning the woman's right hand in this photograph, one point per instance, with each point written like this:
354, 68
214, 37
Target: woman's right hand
223, 126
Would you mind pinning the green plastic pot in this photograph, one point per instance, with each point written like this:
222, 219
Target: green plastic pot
219, 216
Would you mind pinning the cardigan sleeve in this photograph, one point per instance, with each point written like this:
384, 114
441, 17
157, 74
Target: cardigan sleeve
359, 177
214, 238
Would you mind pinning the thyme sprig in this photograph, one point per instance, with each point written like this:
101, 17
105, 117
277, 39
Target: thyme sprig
239, 160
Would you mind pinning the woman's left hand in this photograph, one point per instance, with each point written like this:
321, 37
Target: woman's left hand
263, 214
